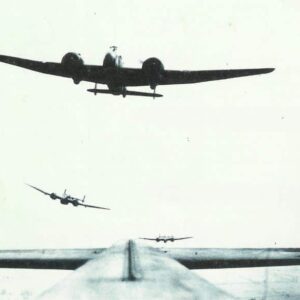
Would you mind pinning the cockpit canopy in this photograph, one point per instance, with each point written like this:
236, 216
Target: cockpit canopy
111, 59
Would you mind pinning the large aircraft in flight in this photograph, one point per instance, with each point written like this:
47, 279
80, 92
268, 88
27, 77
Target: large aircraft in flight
66, 199
166, 238
131, 270
118, 78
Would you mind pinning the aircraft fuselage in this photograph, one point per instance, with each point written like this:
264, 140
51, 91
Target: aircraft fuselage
111, 64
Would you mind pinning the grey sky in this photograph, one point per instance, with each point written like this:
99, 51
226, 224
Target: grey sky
219, 160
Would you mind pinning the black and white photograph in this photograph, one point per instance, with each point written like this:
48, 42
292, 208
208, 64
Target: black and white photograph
150, 150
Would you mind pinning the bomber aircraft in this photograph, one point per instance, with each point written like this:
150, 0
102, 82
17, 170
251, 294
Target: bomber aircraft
131, 270
65, 199
166, 238
118, 78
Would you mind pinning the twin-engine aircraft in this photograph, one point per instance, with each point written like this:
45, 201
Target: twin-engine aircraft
131, 270
65, 199
166, 238
117, 78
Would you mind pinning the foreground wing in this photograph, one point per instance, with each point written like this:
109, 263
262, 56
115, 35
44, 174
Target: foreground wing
45, 193
148, 239
93, 206
129, 271
213, 258
65, 259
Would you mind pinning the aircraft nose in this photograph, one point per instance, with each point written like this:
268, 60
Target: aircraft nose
109, 60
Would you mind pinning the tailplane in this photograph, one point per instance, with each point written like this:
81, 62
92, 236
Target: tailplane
125, 93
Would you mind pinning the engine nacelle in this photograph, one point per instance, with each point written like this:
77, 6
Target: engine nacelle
73, 64
53, 196
153, 69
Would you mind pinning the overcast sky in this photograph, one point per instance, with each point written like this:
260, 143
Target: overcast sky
219, 161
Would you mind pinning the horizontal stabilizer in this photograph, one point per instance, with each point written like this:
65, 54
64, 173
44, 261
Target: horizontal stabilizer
130, 93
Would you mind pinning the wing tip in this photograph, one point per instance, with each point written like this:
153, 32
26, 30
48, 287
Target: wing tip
29, 185
269, 70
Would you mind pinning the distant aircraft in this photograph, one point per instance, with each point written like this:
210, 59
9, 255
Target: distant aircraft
117, 78
66, 199
131, 270
166, 238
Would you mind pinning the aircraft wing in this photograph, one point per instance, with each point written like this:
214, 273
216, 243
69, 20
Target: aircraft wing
64, 259
182, 77
148, 239
130, 76
214, 258
45, 193
34, 65
183, 238
192, 258
92, 206
131, 271
87, 73
136, 77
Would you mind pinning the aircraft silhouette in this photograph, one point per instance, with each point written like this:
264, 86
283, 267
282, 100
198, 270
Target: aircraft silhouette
166, 238
117, 78
65, 199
